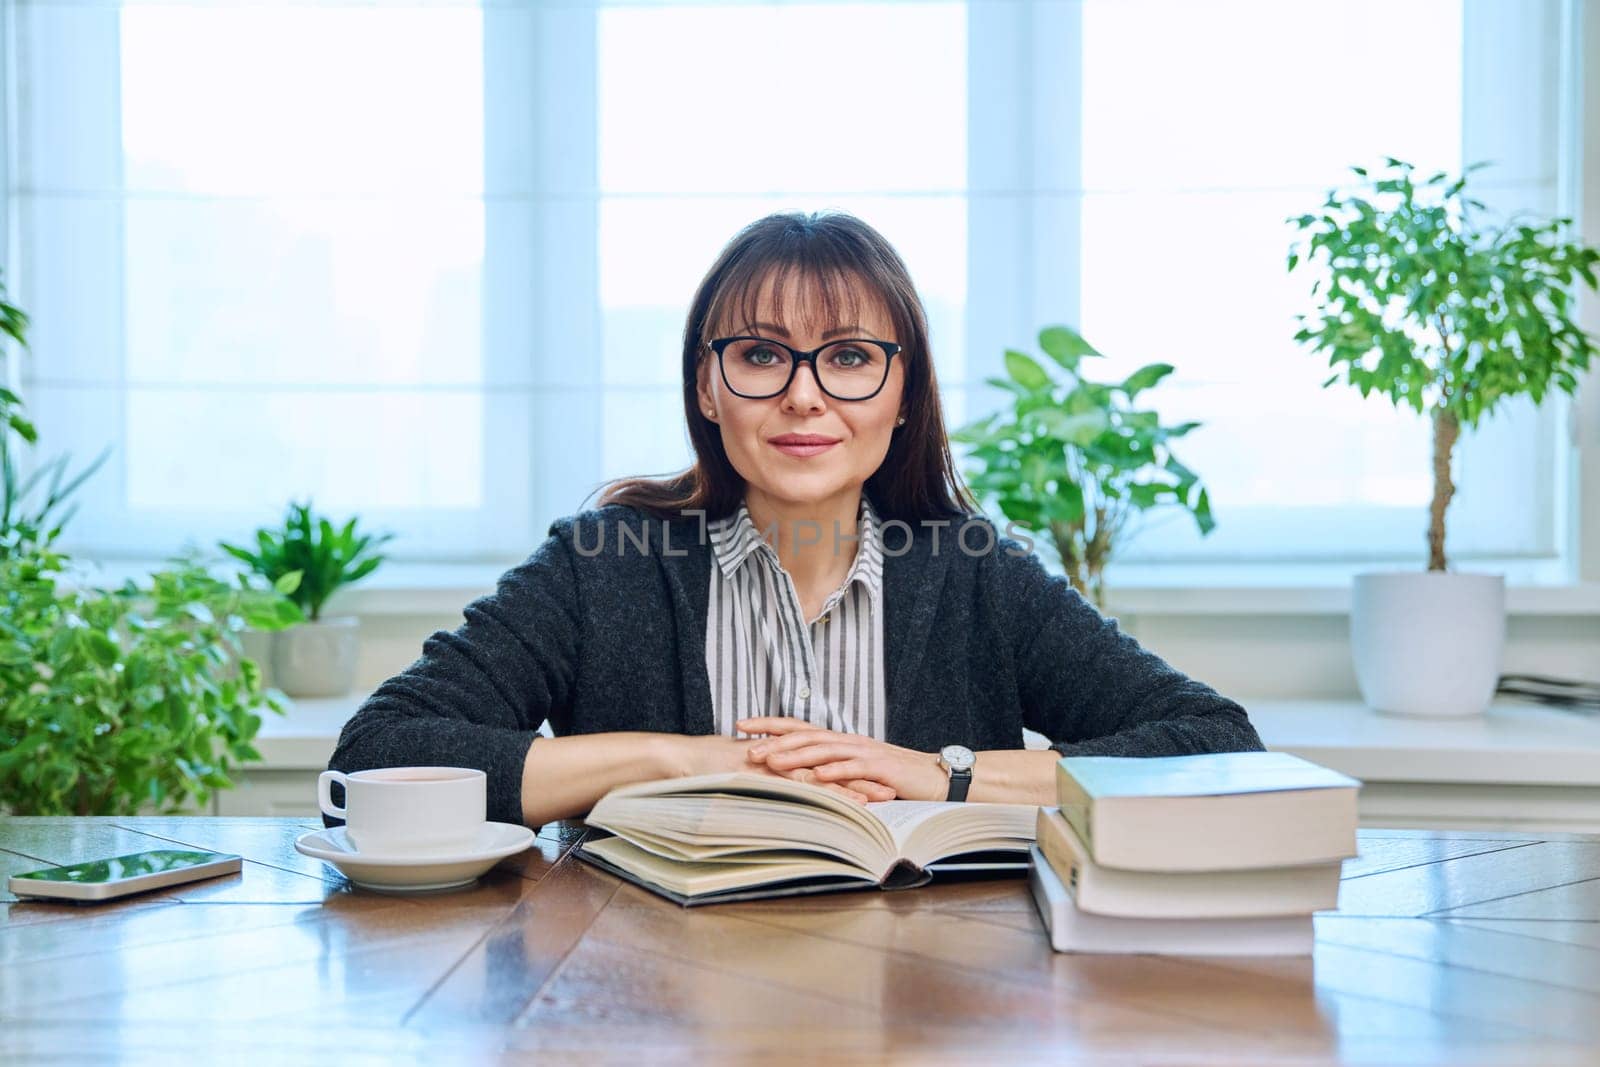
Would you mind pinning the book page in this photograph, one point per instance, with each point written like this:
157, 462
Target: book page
742, 783
694, 879
903, 816
929, 830
727, 815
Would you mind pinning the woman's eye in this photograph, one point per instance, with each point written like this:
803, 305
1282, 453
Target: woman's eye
850, 357
761, 357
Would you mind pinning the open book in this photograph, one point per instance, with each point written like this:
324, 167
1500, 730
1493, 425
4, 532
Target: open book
738, 836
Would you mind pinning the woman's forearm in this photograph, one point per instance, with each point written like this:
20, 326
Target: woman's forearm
562, 777
1014, 776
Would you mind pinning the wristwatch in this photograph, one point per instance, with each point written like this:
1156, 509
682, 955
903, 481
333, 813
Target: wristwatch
957, 761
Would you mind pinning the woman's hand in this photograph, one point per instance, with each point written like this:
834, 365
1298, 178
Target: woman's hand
852, 758
714, 754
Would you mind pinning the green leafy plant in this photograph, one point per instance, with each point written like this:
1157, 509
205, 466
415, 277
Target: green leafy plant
114, 700
35, 506
13, 324
307, 545
1420, 298
1074, 460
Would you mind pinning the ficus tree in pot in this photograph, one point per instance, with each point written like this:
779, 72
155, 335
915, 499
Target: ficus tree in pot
1420, 295
1075, 460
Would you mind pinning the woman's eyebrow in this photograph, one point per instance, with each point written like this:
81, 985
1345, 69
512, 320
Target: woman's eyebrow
838, 331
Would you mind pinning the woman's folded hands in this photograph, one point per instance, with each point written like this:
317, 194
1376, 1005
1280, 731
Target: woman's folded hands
874, 769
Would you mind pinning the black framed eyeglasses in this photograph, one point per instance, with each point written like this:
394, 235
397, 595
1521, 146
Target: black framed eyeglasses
755, 367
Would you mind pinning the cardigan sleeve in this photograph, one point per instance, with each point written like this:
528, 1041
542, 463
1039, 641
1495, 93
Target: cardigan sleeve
1092, 689
478, 694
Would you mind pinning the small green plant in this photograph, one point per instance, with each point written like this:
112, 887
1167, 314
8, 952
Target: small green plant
116, 700
307, 545
1418, 298
1074, 460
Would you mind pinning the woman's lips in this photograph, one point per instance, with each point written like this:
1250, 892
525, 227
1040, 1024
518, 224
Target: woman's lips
797, 448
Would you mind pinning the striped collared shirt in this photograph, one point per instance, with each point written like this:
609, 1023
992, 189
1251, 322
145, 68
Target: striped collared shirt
761, 657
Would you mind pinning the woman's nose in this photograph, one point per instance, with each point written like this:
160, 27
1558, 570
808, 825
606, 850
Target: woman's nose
805, 392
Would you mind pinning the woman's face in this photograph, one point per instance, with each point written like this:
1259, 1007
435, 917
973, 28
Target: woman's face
860, 430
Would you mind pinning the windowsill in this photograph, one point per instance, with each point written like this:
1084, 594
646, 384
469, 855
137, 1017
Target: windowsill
1514, 744
1534, 588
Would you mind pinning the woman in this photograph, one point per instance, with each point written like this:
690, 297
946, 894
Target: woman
819, 577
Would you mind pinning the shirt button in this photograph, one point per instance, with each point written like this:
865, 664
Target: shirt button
805, 692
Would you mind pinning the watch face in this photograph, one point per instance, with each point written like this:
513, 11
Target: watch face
958, 757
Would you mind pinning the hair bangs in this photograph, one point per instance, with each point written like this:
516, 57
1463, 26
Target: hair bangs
760, 288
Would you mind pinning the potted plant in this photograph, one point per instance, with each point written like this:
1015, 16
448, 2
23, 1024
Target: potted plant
318, 657
113, 701
1420, 297
1074, 460
117, 701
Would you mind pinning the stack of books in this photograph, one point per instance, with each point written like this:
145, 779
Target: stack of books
1224, 854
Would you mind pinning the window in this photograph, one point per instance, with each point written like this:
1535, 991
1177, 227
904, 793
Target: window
1192, 159
711, 116
252, 273
431, 262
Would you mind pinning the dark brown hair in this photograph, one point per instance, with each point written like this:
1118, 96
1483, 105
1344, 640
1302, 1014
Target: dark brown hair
842, 257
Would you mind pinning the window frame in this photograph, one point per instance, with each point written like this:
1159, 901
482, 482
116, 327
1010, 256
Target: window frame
1025, 132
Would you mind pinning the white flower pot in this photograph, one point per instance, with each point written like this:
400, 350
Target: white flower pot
317, 659
1428, 643
258, 647
254, 645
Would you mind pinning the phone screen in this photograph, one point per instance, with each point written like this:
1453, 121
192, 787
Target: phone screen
119, 868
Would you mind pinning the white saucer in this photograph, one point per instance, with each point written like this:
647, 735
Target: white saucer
414, 874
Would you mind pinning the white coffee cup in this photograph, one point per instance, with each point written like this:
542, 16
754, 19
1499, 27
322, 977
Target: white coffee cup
402, 810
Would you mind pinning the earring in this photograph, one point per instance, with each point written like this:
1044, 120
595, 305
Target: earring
901, 421
709, 413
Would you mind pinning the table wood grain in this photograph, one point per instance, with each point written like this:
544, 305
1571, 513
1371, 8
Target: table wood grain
1447, 948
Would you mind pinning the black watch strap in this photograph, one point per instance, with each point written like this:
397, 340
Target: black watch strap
959, 781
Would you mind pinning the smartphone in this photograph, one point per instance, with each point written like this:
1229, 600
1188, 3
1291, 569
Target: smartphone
122, 875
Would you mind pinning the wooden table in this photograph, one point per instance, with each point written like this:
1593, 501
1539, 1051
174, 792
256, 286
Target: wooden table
1448, 948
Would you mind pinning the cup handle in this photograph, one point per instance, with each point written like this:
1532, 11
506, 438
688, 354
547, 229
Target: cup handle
325, 782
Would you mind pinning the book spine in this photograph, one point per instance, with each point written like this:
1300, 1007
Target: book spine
1059, 853
1076, 805
905, 875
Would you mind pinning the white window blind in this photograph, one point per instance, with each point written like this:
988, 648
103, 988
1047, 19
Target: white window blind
430, 261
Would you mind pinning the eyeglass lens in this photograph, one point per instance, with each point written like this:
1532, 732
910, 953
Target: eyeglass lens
847, 369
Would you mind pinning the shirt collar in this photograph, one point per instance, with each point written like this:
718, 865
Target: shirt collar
735, 538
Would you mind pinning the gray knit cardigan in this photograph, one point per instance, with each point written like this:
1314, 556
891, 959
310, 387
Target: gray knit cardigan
603, 628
